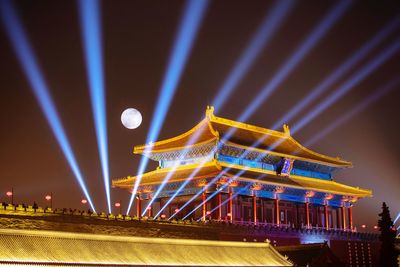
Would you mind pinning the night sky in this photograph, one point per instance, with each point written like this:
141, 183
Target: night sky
137, 40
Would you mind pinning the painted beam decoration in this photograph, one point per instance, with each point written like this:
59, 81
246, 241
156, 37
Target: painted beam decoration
287, 167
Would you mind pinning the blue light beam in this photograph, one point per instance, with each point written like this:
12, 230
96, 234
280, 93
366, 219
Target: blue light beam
271, 23
349, 84
395, 220
89, 11
28, 62
260, 39
312, 39
344, 68
388, 87
190, 23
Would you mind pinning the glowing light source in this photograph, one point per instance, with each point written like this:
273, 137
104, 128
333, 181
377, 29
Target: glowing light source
117, 204
89, 11
271, 23
9, 193
131, 118
32, 71
84, 201
48, 197
189, 26
363, 226
375, 227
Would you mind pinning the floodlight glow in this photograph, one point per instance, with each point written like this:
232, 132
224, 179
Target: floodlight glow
344, 68
28, 62
358, 108
89, 11
312, 39
189, 26
359, 76
272, 21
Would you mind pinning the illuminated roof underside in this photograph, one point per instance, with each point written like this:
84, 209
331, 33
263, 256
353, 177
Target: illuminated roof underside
214, 128
211, 169
27, 246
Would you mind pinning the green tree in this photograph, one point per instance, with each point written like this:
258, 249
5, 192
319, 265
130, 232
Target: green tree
388, 253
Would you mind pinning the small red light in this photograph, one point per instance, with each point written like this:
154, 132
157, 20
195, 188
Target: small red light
176, 210
375, 226
229, 214
363, 226
163, 216
117, 204
9, 193
83, 201
48, 197
208, 212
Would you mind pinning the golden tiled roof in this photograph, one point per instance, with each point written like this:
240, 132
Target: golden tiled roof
213, 127
181, 173
51, 248
211, 169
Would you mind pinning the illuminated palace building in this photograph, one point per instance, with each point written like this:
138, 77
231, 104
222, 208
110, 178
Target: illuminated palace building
235, 172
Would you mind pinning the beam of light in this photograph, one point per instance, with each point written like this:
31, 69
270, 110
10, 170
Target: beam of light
236, 194
312, 39
382, 91
344, 68
264, 33
31, 68
354, 80
189, 26
89, 11
196, 195
354, 111
271, 23
395, 220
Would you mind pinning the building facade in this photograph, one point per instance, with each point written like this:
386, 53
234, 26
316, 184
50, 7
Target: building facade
231, 171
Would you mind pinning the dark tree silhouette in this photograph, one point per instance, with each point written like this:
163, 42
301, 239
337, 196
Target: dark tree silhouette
388, 253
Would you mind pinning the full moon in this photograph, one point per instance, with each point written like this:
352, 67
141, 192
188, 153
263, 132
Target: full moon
131, 118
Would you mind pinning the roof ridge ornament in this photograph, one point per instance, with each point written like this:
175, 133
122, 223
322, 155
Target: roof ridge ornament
286, 129
209, 112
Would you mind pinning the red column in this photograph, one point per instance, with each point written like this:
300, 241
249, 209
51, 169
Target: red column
254, 208
149, 210
326, 217
277, 212
307, 214
204, 206
343, 217
350, 210
230, 205
219, 206
138, 206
